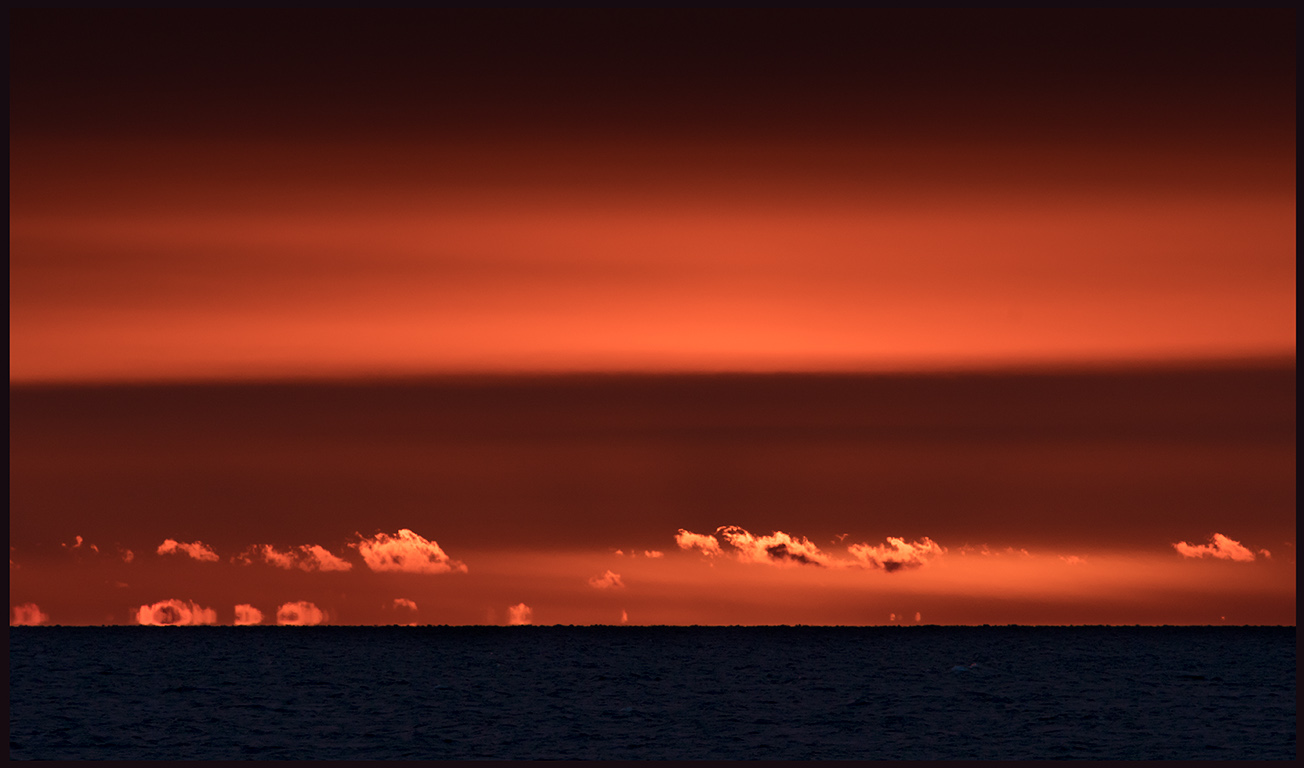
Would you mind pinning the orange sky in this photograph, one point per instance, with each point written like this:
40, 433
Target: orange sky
204, 204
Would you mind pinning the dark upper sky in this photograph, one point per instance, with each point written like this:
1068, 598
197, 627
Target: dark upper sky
1150, 76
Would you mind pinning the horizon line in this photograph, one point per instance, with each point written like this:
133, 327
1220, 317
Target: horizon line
1278, 362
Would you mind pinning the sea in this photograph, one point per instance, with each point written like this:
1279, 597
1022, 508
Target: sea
624, 692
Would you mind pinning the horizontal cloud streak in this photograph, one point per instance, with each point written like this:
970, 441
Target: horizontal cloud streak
1219, 546
299, 614
407, 552
27, 615
174, 613
197, 550
306, 557
780, 548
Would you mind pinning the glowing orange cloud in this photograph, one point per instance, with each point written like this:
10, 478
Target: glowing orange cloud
403, 602
27, 615
246, 615
897, 553
520, 614
780, 548
689, 540
1219, 547
306, 557
77, 544
606, 581
174, 613
299, 614
653, 553
196, 549
405, 551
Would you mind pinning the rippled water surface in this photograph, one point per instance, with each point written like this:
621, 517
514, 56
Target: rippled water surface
652, 692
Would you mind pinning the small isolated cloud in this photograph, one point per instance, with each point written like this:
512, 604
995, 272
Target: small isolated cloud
653, 553
403, 602
80, 543
27, 615
306, 557
689, 540
624, 617
299, 614
1219, 546
407, 552
918, 617
247, 615
195, 549
520, 614
896, 553
608, 580
1266, 554
1073, 559
128, 555
174, 613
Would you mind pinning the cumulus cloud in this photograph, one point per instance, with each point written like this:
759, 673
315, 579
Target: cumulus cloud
27, 615
653, 553
624, 617
896, 553
403, 602
704, 542
128, 555
407, 552
780, 548
606, 581
246, 615
1073, 559
299, 614
195, 549
174, 613
520, 614
306, 557
1219, 546
78, 542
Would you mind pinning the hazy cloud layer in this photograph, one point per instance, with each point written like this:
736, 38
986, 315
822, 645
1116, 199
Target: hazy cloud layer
407, 552
1220, 547
607, 580
306, 557
780, 548
299, 614
247, 615
520, 614
896, 553
195, 549
174, 613
27, 615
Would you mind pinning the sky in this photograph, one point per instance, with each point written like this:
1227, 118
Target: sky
1005, 298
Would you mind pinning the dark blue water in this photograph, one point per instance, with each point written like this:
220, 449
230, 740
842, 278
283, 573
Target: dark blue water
652, 692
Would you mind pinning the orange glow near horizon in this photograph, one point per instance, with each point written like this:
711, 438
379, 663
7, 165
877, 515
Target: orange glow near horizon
162, 279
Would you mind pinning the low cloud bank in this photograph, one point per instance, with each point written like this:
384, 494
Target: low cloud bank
784, 549
174, 613
247, 615
299, 614
406, 552
27, 615
195, 549
520, 614
1220, 547
306, 557
607, 580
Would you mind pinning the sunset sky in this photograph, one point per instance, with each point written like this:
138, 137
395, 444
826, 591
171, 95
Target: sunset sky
1003, 302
